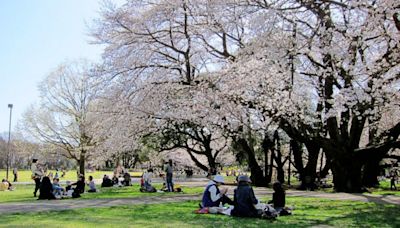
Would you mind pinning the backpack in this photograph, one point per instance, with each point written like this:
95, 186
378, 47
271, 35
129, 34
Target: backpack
269, 212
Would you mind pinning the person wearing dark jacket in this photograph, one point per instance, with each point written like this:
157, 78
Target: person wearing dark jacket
80, 187
245, 200
46, 189
107, 182
278, 197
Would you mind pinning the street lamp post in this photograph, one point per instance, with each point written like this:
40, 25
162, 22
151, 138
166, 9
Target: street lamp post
9, 137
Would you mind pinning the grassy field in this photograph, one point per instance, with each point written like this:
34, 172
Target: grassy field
309, 212
24, 193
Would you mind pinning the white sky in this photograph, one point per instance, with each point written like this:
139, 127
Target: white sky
36, 36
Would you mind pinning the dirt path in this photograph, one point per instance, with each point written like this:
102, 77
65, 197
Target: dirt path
67, 204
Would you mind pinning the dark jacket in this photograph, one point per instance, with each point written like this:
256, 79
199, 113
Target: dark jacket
46, 189
244, 200
278, 199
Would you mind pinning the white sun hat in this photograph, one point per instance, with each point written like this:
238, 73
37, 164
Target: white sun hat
218, 178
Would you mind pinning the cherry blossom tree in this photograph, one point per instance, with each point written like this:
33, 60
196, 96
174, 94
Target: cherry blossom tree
325, 72
156, 51
347, 56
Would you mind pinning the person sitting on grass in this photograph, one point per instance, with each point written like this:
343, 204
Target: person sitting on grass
6, 185
279, 199
46, 189
127, 179
106, 181
245, 200
147, 179
213, 196
92, 185
115, 180
58, 191
80, 187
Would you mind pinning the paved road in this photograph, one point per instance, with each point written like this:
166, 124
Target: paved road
260, 192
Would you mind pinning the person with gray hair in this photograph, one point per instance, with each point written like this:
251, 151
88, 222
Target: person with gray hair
245, 200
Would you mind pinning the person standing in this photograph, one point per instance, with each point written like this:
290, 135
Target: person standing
37, 174
393, 178
15, 172
169, 172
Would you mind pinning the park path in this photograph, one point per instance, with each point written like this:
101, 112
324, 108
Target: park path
50, 205
67, 204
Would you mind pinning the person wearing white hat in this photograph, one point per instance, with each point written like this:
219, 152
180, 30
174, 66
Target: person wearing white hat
213, 196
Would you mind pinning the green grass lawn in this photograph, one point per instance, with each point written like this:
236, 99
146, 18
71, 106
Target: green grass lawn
384, 189
308, 212
24, 193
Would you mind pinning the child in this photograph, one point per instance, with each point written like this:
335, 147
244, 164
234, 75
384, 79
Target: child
279, 199
92, 185
147, 179
58, 191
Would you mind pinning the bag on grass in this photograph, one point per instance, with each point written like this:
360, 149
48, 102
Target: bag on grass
203, 210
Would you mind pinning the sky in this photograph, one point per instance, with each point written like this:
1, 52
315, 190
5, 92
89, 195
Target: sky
36, 36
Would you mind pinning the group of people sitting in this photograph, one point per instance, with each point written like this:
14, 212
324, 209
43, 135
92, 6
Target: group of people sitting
115, 181
146, 184
244, 204
54, 190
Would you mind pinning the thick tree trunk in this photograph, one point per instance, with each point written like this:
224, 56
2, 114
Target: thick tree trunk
308, 174
257, 176
370, 173
297, 156
347, 174
326, 168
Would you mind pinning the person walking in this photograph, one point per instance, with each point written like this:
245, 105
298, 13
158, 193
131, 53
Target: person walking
393, 178
169, 172
15, 172
37, 174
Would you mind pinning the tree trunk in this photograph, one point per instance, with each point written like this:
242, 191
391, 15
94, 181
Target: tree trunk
297, 156
310, 171
197, 162
326, 168
347, 174
82, 162
278, 159
370, 173
267, 145
257, 177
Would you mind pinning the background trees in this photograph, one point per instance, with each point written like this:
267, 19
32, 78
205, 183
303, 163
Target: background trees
64, 117
254, 77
